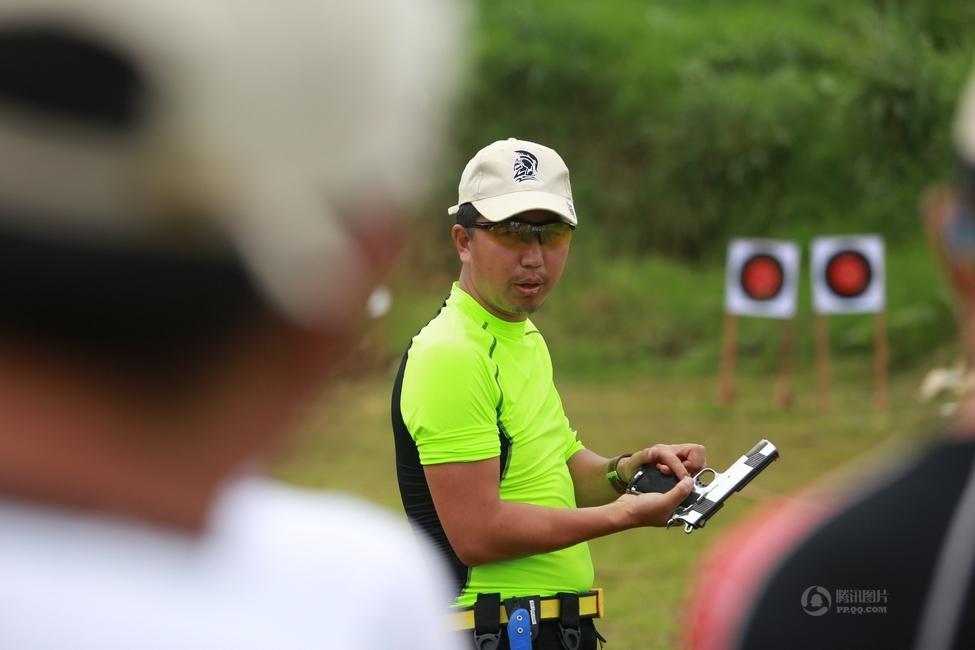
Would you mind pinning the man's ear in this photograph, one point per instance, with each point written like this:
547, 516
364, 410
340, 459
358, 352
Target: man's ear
462, 242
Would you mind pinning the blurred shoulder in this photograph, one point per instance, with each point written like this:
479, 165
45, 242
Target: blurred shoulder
271, 513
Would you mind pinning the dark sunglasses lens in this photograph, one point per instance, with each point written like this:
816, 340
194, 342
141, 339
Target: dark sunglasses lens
513, 232
556, 233
520, 232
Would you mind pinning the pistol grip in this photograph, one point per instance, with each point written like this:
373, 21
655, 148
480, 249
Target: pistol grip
650, 479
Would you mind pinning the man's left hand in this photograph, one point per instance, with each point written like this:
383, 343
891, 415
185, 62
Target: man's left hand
680, 460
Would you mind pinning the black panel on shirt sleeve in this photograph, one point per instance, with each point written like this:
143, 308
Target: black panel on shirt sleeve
413, 488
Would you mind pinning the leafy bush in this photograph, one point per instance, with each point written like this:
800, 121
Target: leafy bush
687, 123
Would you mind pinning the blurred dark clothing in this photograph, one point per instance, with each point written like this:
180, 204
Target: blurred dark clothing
891, 569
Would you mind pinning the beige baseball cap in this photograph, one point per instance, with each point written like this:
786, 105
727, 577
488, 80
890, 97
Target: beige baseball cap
512, 176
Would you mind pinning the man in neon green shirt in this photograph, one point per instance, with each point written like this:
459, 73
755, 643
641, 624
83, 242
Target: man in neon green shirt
488, 465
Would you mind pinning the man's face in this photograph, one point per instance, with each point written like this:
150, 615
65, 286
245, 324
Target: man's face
511, 277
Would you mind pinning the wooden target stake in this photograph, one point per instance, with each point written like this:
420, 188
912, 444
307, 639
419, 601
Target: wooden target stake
726, 388
880, 361
822, 362
783, 388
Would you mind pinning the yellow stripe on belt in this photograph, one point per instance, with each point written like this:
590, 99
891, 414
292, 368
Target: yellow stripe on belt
590, 606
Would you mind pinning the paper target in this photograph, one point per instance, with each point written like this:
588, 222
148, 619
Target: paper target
762, 278
848, 274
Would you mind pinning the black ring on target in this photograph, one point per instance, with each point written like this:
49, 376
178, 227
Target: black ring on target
858, 258
778, 277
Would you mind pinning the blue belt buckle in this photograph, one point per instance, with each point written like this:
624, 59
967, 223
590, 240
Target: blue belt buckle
520, 630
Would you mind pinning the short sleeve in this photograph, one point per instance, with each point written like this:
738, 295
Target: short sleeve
574, 444
449, 403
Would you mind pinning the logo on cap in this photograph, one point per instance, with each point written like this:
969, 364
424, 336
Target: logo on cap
526, 166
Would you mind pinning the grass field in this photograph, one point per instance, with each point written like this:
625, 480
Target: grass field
346, 444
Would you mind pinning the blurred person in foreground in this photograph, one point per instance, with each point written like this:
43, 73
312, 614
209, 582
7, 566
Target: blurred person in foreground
195, 200
891, 565
488, 464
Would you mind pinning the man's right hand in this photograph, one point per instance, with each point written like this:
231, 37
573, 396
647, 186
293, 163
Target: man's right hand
654, 508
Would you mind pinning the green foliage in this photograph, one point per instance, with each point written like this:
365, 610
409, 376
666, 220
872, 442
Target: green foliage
687, 123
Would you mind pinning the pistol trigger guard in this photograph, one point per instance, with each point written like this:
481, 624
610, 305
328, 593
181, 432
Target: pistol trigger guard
699, 484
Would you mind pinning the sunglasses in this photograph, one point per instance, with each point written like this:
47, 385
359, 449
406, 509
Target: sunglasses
514, 232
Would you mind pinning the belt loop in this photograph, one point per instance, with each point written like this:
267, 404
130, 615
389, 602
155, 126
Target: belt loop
487, 622
571, 636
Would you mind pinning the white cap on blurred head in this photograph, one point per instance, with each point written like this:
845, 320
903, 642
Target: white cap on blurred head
512, 176
258, 125
965, 124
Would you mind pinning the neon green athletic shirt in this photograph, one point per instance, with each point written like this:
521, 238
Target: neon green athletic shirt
470, 380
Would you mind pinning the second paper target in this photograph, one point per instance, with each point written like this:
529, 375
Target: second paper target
848, 274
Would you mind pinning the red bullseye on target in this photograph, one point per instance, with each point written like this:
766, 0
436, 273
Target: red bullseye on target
762, 277
848, 273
